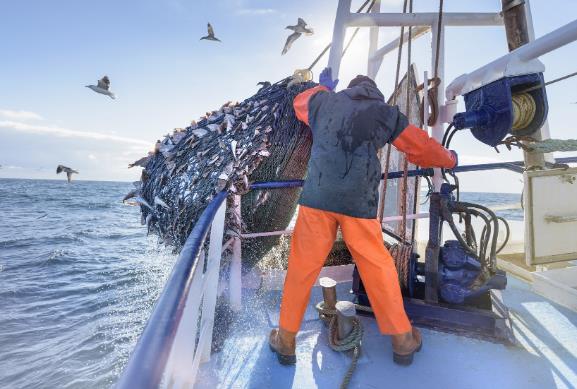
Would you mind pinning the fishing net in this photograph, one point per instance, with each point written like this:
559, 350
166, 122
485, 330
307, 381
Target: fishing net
259, 139
407, 88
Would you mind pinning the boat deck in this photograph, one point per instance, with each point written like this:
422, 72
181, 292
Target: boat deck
546, 356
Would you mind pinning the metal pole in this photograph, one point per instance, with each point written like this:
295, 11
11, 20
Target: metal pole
329, 287
378, 55
235, 281
211, 283
339, 30
373, 67
519, 28
423, 19
438, 129
345, 315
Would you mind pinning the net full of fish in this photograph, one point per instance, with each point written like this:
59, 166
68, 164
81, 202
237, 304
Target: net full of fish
259, 139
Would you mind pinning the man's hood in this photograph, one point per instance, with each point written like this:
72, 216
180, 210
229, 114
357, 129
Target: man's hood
364, 91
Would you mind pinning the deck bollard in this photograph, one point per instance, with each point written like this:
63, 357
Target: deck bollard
345, 314
329, 287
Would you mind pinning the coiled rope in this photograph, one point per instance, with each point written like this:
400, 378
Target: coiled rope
351, 342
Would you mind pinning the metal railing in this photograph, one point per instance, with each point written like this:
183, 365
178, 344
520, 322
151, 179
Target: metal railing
168, 351
178, 335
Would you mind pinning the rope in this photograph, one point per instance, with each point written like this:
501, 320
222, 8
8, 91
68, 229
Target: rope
543, 146
524, 109
550, 82
552, 145
405, 182
432, 93
351, 342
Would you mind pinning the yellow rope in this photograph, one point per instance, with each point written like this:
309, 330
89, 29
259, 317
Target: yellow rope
524, 109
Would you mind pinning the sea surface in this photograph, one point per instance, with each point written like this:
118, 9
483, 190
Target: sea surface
79, 278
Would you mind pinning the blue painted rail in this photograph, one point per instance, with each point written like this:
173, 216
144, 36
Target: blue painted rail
146, 365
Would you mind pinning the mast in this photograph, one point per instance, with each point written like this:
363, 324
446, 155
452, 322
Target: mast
519, 28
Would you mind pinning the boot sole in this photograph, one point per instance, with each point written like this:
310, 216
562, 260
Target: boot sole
284, 359
406, 360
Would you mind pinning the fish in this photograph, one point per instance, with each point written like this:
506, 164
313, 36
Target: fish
141, 201
131, 194
200, 132
262, 198
158, 201
233, 148
140, 162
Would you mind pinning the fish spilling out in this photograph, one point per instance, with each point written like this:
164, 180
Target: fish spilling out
259, 139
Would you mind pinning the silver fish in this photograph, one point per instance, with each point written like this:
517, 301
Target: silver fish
143, 202
131, 194
200, 132
158, 201
233, 148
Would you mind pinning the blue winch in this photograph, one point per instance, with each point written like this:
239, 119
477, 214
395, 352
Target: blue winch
515, 105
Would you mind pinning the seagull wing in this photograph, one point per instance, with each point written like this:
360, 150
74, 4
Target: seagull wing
69, 176
210, 30
291, 38
104, 83
59, 169
302, 23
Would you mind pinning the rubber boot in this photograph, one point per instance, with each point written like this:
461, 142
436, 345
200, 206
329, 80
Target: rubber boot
405, 346
283, 343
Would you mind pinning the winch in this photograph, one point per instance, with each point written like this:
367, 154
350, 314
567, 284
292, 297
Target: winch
511, 105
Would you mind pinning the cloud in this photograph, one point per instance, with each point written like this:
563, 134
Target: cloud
92, 157
256, 11
68, 133
19, 115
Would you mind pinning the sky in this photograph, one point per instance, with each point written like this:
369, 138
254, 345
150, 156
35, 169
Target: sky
164, 76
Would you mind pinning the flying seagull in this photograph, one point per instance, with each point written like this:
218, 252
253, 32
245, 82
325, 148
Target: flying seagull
62, 168
299, 29
102, 87
210, 35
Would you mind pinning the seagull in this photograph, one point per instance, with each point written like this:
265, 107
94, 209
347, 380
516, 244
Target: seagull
210, 35
299, 29
62, 168
102, 87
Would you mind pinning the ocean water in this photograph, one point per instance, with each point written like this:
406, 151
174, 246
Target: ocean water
79, 278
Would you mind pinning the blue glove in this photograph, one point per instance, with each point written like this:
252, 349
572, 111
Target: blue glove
456, 158
326, 79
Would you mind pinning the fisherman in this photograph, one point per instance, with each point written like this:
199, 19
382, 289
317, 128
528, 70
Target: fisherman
341, 189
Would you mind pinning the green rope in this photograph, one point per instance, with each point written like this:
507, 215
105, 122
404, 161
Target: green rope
552, 145
351, 342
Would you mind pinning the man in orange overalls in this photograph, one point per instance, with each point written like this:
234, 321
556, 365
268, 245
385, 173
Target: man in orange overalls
341, 189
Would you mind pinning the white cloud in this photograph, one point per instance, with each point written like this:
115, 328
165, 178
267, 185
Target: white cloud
256, 11
68, 133
19, 115
92, 157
